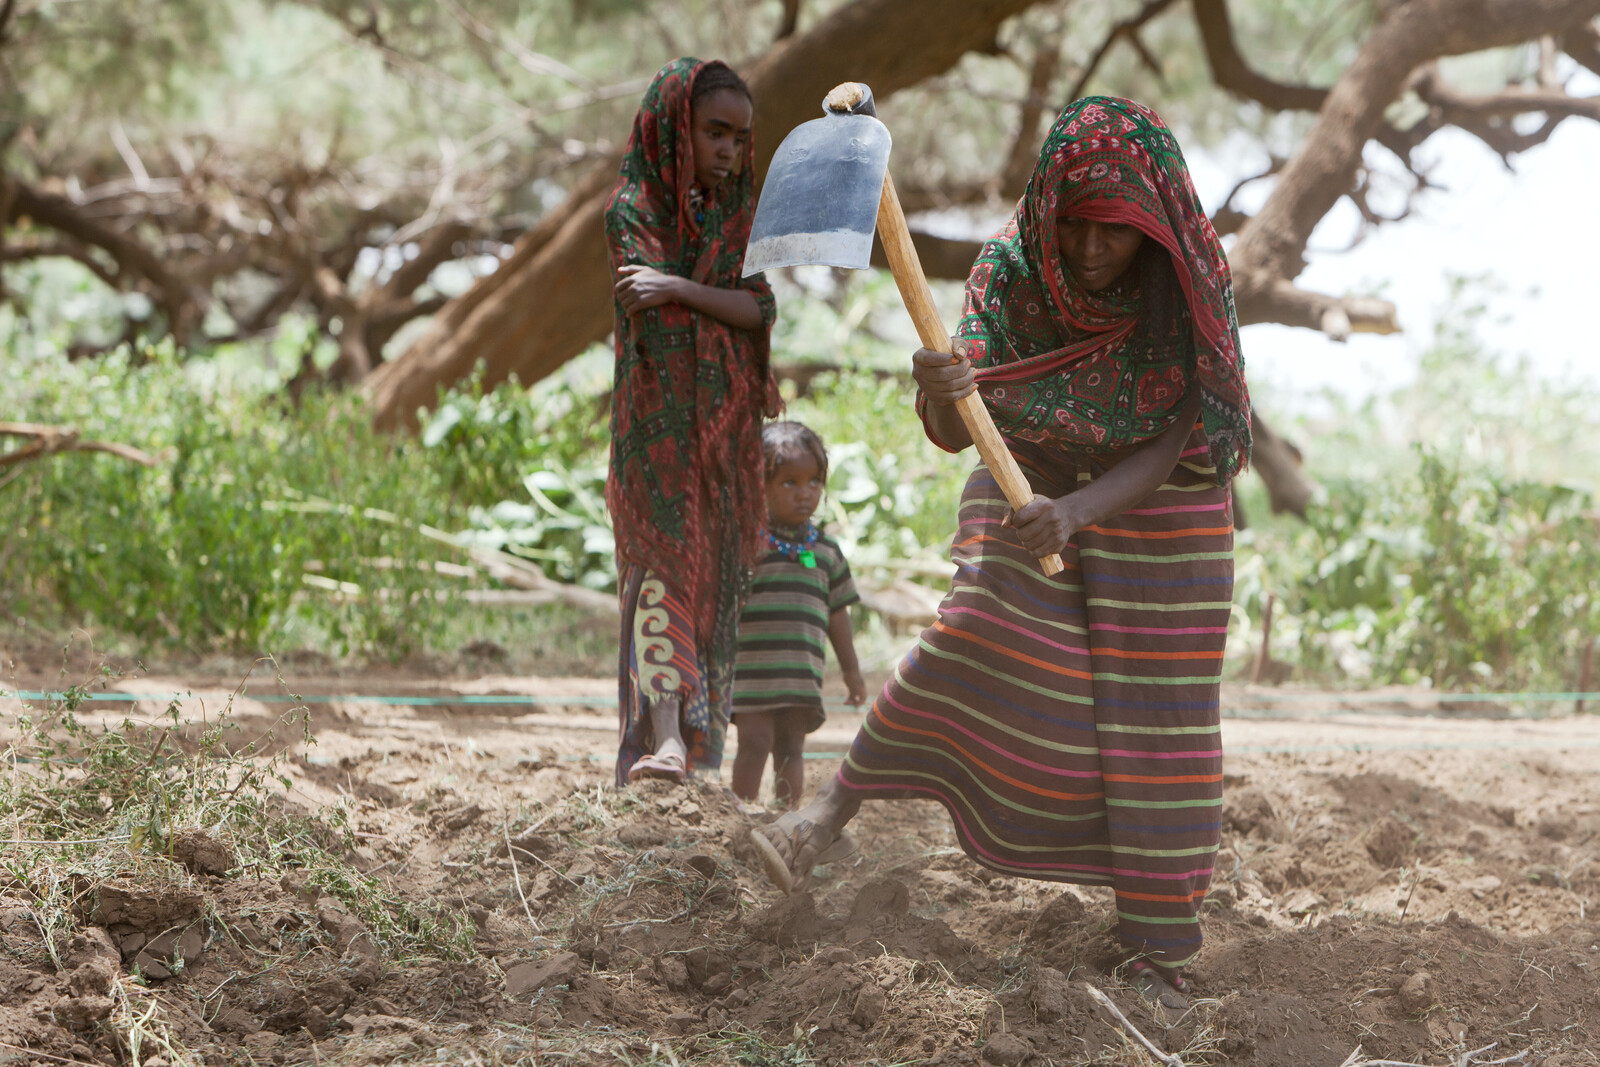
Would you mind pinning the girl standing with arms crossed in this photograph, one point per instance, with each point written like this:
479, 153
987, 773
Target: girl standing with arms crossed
692, 381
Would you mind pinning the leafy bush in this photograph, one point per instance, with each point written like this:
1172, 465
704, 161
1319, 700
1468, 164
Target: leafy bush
1448, 547
200, 549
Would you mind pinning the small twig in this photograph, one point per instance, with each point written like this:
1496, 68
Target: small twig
1414, 880
516, 876
1105, 1002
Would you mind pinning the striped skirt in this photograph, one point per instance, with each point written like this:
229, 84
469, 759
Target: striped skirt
1070, 724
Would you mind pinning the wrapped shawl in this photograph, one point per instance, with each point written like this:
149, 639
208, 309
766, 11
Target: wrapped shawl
685, 488
1065, 367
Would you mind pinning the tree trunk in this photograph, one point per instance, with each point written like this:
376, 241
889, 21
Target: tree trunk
1278, 462
553, 297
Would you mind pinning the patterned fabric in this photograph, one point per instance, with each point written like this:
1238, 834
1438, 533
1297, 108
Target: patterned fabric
685, 489
783, 630
660, 660
1063, 366
1070, 725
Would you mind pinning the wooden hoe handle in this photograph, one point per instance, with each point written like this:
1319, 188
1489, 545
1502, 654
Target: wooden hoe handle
914, 291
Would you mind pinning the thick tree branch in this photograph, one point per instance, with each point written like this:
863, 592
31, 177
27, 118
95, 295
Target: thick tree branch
1271, 245
181, 301
1338, 317
1231, 72
790, 21
1582, 43
1025, 145
24, 250
1488, 116
508, 319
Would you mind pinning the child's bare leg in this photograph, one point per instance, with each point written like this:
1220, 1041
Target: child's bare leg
788, 756
667, 726
755, 742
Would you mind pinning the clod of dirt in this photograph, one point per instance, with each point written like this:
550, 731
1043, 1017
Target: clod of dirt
530, 843
455, 819
1050, 995
90, 944
231, 1020
91, 978
348, 932
1417, 994
701, 864
82, 1012
869, 1007
675, 974
642, 833
1249, 811
525, 979
793, 920
1302, 901
1007, 1050
1064, 910
147, 909
1554, 828
159, 957
1389, 842
202, 853
880, 899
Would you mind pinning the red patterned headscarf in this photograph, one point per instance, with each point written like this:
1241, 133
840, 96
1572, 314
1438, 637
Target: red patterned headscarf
1068, 367
685, 490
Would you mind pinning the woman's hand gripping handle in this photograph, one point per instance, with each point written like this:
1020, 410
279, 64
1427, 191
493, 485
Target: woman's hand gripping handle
949, 383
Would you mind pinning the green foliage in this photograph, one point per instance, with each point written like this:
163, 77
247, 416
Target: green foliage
485, 444
1453, 545
1447, 574
210, 548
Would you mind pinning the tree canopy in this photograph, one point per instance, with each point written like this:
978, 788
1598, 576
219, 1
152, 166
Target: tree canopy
422, 179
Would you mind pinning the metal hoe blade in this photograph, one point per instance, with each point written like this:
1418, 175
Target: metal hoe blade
819, 203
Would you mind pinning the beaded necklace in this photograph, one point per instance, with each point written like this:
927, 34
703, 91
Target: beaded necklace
798, 549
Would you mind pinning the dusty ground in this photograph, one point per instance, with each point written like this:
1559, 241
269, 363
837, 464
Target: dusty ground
1395, 876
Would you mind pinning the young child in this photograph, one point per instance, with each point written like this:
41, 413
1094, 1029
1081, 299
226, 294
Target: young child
800, 592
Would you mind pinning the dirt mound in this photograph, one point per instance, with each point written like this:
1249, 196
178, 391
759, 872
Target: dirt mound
1419, 907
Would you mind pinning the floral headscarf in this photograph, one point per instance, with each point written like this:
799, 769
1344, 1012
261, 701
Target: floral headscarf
1063, 366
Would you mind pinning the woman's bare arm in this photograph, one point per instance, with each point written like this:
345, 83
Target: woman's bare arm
1045, 525
639, 288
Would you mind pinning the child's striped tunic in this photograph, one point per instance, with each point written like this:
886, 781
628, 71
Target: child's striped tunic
783, 630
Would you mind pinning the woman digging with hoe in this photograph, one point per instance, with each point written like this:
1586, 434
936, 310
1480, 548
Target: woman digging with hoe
1070, 724
685, 489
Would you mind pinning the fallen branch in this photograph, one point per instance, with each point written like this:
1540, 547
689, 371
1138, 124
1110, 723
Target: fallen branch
47, 440
1105, 1002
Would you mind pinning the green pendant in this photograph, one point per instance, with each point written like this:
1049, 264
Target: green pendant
808, 558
